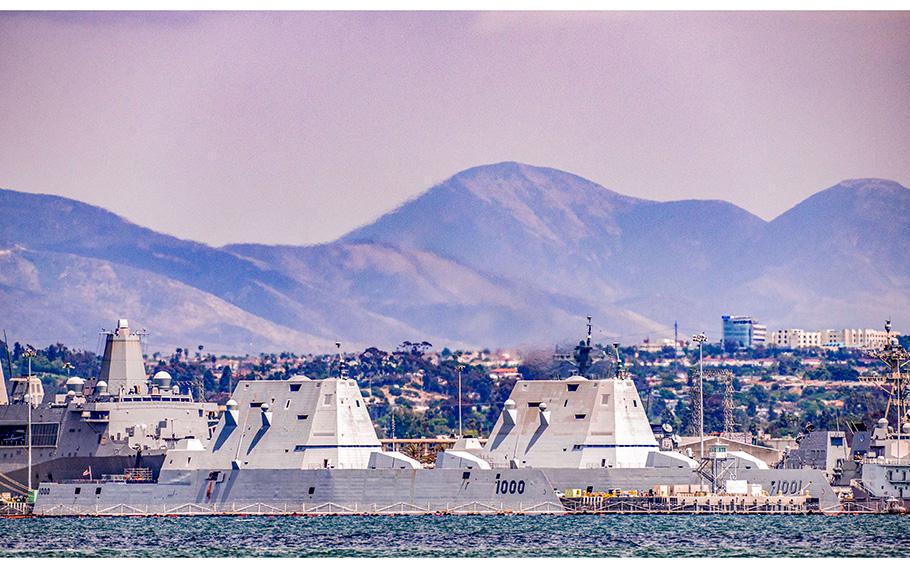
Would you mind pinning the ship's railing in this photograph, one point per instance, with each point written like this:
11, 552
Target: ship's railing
323, 508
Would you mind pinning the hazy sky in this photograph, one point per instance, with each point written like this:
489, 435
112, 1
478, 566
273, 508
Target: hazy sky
297, 127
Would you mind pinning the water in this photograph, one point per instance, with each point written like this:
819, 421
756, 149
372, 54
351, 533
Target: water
586, 535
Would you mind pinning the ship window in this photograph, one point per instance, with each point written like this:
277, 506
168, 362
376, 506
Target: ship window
358, 403
295, 388
77, 491
604, 399
466, 475
97, 491
287, 404
255, 404
635, 403
302, 416
580, 416
327, 400
837, 441
572, 387
311, 491
533, 404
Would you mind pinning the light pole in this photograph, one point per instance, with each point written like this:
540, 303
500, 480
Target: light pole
29, 354
460, 432
701, 338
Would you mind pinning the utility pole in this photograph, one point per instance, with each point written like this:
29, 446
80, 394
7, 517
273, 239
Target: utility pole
460, 431
29, 354
701, 338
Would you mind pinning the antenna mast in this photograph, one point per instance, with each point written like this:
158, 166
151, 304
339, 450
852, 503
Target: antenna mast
581, 356
894, 383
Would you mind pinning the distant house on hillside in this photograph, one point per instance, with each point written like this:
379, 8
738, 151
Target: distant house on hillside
505, 373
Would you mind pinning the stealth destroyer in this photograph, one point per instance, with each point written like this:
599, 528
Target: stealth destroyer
309, 446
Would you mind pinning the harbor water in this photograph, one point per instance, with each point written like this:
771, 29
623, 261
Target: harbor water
482, 536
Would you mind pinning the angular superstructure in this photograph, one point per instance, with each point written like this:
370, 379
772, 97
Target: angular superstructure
572, 423
4, 397
294, 424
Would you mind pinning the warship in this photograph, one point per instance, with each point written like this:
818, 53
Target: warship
302, 446
118, 422
874, 472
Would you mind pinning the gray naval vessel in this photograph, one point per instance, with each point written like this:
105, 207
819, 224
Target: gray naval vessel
308, 446
874, 472
121, 421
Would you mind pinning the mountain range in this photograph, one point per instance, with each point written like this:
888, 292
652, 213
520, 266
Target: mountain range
499, 255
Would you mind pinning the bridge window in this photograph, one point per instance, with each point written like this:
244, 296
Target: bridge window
533, 404
572, 387
295, 387
302, 416
580, 416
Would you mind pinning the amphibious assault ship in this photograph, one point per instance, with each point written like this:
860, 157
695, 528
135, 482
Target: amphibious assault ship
96, 428
309, 446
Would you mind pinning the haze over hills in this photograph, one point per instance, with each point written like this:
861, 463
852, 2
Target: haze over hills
499, 255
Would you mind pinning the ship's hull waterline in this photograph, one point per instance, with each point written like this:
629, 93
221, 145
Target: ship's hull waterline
400, 491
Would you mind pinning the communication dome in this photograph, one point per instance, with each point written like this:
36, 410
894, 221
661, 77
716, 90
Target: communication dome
75, 382
70, 393
101, 386
265, 407
162, 375
510, 404
231, 403
543, 406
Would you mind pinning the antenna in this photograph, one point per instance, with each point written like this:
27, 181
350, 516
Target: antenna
342, 364
581, 357
589, 332
9, 358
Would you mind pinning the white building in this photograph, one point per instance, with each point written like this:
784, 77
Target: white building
795, 338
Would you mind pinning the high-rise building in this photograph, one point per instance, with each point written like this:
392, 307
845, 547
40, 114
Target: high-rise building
743, 331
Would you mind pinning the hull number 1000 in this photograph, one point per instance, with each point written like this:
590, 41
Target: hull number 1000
510, 487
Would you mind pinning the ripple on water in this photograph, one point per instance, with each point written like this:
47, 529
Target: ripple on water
476, 536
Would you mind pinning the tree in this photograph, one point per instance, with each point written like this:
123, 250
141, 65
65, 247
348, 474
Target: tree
226, 383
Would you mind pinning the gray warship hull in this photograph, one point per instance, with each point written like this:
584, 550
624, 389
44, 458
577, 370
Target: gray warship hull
380, 491
96, 428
